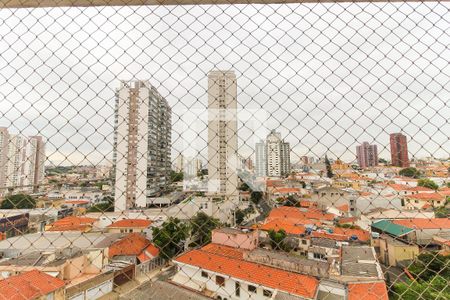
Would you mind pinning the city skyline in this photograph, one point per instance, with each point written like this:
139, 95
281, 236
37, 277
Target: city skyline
319, 112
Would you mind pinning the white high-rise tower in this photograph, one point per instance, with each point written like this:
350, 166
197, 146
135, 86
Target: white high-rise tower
142, 141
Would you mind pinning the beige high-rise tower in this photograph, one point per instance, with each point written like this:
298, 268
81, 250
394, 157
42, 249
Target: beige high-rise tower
222, 134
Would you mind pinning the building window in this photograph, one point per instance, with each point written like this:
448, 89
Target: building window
319, 256
267, 293
237, 289
304, 242
220, 281
205, 274
252, 289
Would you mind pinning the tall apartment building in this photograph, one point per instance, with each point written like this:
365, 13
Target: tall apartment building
4, 139
142, 139
222, 134
278, 155
399, 150
261, 159
22, 161
272, 156
367, 155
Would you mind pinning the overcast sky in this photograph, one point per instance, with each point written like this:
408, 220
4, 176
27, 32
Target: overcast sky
327, 76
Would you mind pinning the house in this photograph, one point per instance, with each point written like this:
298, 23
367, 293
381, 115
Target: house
331, 196
425, 229
66, 264
423, 200
237, 238
129, 226
375, 290
32, 285
224, 275
395, 252
52, 240
72, 223
396, 231
134, 248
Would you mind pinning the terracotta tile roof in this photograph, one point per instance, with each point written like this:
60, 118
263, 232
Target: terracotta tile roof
347, 220
76, 202
272, 183
224, 250
134, 223
72, 223
148, 253
307, 203
399, 187
437, 223
331, 236
367, 291
343, 207
29, 285
293, 214
420, 189
293, 283
285, 190
132, 244
426, 196
287, 226
362, 235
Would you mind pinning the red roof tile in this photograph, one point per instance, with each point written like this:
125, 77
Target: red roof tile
331, 236
148, 253
294, 283
29, 285
134, 223
72, 223
287, 226
362, 235
132, 244
347, 220
224, 250
285, 190
427, 196
367, 291
437, 223
293, 214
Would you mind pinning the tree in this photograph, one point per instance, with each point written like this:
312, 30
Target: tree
256, 196
448, 184
410, 172
170, 237
428, 183
428, 264
244, 187
431, 272
239, 216
201, 228
382, 161
277, 239
19, 201
176, 176
106, 205
328, 166
291, 201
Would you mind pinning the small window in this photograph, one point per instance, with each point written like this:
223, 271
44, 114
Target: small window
304, 242
267, 293
237, 289
220, 281
205, 274
252, 289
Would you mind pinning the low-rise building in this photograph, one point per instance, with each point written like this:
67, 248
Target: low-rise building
129, 226
72, 223
395, 252
32, 285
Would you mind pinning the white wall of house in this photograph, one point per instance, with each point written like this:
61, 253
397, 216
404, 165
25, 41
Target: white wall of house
191, 276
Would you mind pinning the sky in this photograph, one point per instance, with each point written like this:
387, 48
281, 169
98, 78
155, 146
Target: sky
327, 76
